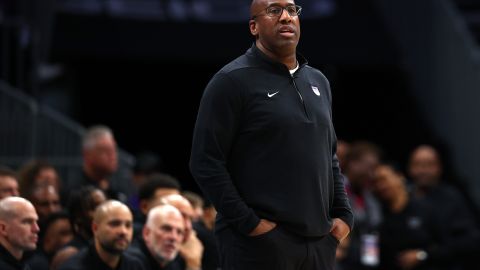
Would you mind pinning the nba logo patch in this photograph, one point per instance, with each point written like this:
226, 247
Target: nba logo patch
315, 90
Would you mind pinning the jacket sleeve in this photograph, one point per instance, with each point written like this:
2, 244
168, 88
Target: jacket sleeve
217, 123
341, 206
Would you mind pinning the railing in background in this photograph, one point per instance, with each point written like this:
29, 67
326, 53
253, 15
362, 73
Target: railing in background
32, 131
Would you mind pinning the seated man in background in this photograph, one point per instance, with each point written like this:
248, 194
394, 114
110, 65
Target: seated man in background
81, 207
18, 232
411, 236
459, 231
100, 165
162, 237
55, 233
112, 228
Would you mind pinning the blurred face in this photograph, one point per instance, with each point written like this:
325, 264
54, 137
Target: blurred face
165, 236
209, 215
97, 198
145, 206
278, 32
47, 177
424, 167
162, 192
360, 171
114, 231
46, 201
8, 187
57, 235
186, 209
342, 149
197, 213
102, 158
21, 231
387, 184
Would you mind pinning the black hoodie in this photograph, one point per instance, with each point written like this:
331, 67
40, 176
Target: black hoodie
264, 147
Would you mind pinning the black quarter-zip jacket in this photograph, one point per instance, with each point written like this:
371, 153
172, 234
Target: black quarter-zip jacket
264, 147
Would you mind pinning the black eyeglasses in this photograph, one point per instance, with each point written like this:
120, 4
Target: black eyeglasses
276, 11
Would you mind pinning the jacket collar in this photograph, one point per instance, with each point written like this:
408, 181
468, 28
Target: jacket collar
7, 257
258, 54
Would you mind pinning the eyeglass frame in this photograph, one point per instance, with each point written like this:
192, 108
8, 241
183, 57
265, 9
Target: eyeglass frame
297, 13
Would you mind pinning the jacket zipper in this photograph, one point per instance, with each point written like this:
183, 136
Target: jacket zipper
301, 99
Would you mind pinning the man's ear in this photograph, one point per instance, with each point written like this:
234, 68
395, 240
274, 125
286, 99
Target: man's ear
94, 227
253, 27
145, 232
3, 228
144, 207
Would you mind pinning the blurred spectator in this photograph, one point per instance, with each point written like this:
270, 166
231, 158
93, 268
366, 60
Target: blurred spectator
191, 249
46, 201
408, 229
56, 232
81, 207
342, 151
360, 163
205, 232
8, 183
18, 232
37, 173
425, 169
157, 185
203, 220
146, 164
112, 233
100, 162
460, 233
162, 237
154, 187
197, 203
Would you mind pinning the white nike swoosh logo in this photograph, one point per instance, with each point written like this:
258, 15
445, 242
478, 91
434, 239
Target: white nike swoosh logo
272, 94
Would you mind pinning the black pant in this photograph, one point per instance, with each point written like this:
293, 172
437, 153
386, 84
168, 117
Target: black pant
277, 249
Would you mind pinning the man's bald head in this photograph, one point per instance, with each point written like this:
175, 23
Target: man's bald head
180, 202
18, 226
10, 206
103, 210
112, 228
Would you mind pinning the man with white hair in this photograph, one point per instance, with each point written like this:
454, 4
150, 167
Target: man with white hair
112, 230
18, 232
162, 238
